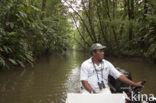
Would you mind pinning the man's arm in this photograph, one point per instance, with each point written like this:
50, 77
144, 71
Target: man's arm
127, 81
87, 86
117, 75
84, 77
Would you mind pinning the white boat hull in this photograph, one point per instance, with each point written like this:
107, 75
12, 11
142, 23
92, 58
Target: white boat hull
95, 98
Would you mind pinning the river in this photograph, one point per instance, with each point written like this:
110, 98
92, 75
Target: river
52, 77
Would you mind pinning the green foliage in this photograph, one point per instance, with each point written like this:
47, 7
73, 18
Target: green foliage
124, 27
24, 36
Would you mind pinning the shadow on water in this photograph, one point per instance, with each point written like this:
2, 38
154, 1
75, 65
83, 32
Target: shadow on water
53, 76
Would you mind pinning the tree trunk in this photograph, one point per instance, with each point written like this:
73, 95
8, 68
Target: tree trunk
114, 8
132, 9
100, 22
145, 9
112, 26
82, 20
90, 17
43, 9
131, 17
80, 32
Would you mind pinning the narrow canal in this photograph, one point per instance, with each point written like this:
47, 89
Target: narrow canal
52, 77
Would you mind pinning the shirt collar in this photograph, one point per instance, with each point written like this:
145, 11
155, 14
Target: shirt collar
90, 59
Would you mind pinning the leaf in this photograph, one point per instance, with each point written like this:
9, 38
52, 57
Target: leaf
12, 61
29, 57
35, 8
22, 57
21, 63
151, 40
7, 23
5, 49
1, 49
23, 14
2, 62
31, 63
11, 25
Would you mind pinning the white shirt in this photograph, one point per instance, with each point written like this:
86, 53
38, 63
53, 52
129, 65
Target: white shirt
89, 74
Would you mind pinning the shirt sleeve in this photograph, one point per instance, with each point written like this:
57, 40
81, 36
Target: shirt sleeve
114, 72
83, 72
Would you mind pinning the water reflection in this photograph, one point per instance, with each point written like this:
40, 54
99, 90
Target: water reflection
52, 77
73, 82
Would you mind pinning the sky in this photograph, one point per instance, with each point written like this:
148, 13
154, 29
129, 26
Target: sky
74, 6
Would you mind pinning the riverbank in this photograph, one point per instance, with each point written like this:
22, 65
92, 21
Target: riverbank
120, 55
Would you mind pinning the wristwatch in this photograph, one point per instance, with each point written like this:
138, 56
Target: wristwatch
92, 92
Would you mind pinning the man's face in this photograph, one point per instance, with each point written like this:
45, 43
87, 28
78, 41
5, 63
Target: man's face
99, 54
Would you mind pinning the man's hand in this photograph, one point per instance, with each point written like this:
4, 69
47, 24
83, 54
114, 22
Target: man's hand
138, 84
127, 81
93, 92
88, 87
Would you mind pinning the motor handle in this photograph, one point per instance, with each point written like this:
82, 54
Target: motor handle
143, 82
137, 89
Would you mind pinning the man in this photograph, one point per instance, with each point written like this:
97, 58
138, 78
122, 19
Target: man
95, 71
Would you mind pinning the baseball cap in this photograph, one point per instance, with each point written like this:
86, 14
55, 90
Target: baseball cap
97, 46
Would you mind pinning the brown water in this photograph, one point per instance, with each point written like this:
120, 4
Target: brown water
53, 76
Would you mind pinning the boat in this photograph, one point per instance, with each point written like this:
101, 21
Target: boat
95, 98
121, 93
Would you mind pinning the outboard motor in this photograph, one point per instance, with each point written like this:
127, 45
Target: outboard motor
118, 86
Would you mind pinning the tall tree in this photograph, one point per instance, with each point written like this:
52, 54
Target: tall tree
43, 9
